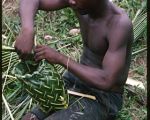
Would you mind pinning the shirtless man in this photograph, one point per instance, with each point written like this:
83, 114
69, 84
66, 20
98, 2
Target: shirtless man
107, 36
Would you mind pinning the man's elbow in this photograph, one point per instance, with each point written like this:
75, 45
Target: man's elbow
107, 83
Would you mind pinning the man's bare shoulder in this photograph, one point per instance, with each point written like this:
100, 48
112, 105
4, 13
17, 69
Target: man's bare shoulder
121, 29
125, 21
122, 18
121, 22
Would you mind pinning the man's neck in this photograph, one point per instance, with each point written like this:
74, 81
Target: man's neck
100, 10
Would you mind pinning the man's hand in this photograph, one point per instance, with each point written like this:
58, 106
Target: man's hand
45, 52
24, 44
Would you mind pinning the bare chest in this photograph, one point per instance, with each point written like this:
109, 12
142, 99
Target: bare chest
94, 34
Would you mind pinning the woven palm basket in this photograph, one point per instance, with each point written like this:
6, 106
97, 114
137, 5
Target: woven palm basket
41, 81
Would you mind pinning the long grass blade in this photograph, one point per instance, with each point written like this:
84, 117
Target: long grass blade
7, 107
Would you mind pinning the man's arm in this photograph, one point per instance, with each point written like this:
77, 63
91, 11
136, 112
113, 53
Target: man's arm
113, 63
27, 9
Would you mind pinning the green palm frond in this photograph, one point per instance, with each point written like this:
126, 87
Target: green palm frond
9, 57
10, 28
140, 22
18, 110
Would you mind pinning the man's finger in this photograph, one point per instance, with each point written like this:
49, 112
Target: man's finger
39, 58
41, 53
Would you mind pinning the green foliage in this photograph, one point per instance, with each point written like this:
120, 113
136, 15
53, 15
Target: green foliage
10, 30
68, 18
140, 23
132, 110
56, 22
140, 70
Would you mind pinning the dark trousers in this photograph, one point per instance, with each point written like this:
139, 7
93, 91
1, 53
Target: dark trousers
105, 107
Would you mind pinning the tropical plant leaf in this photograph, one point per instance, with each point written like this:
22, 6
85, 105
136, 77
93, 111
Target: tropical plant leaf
140, 22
